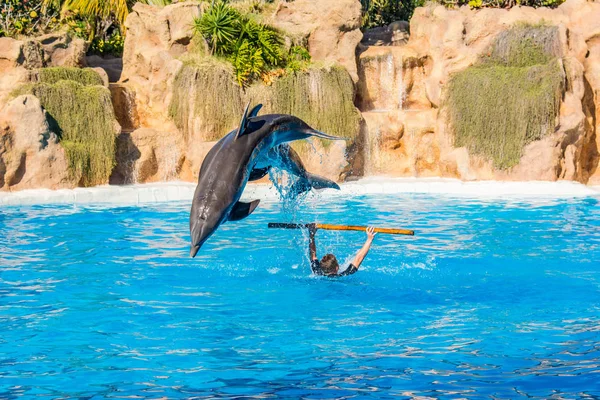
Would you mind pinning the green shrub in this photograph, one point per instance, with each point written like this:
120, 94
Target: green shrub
501, 3
252, 48
85, 116
511, 97
112, 45
384, 12
298, 59
26, 18
220, 25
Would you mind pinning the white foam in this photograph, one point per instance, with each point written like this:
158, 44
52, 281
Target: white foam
184, 191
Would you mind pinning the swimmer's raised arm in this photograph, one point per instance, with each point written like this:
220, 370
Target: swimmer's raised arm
312, 246
362, 253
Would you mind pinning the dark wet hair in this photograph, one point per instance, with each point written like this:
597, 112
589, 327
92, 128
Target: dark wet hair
329, 264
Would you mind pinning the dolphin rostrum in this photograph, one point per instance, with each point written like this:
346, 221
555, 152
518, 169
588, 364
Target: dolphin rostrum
247, 153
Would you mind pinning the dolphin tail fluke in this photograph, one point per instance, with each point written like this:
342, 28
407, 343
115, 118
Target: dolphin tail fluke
318, 182
312, 182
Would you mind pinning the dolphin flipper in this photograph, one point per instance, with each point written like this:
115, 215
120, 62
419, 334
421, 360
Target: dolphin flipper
258, 173
241, 210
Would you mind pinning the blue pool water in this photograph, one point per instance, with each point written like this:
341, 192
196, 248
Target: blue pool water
496, 299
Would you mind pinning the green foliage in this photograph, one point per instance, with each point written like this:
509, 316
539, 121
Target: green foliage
252, 48
511, 97
84, 114
501, 3
206, 96
26, 17
112, 45
83, 76
298, 59
94, 9
384, 12
220, 25
475, 3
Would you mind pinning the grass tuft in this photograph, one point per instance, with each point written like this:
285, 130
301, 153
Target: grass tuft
206, 97
322, 97
84, 76
510, 98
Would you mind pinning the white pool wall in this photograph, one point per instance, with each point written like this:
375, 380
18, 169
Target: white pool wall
184, 191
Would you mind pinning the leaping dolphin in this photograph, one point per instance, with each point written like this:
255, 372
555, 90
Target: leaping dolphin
247, 153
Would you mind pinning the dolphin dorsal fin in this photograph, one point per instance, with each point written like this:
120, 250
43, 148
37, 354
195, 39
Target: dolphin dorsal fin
254, 111
243, 122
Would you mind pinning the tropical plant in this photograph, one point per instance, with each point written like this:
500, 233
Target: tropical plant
25, 17
298, 59
220, 26
251, 47
98, 9
112, 44
384, 12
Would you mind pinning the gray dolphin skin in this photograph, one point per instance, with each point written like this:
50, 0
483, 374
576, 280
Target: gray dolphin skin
247, 153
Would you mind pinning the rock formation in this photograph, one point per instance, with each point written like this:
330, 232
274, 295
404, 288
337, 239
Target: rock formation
402, 89
331, 28
18, 57
29, 154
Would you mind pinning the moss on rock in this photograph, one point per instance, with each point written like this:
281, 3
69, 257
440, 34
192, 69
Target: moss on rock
205, 90
85, 118
322, 97
84, 76
511, 98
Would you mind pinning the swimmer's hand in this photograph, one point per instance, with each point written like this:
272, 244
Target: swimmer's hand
371, 233
312, 228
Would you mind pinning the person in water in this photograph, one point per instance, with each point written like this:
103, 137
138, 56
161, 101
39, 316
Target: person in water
328, 266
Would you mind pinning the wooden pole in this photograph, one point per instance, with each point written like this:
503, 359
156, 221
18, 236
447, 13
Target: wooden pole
330, 227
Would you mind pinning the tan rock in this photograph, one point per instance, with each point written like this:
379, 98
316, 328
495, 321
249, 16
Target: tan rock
592, 106
112, 66
147, 155
12, 72
30, 156
63, 50
155, 36
324, 160
451, 40
332, 28
392, 78
125, 107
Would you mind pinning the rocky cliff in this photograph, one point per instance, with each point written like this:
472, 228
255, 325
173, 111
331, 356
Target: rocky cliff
401, 84
403, 91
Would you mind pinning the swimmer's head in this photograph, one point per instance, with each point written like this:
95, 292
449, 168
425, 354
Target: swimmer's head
329, 264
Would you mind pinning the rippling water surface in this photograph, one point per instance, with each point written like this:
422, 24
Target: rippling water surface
489, 299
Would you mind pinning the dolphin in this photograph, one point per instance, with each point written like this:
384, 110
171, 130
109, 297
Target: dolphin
246, 154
